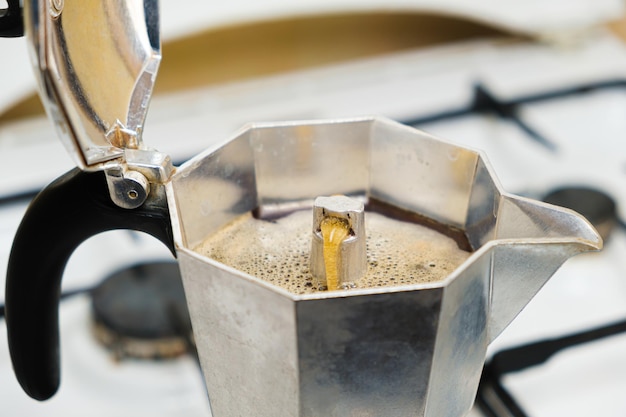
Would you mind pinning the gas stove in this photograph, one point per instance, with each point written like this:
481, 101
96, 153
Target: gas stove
548, 115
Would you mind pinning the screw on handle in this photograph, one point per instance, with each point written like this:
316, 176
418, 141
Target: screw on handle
11, 22
73, 208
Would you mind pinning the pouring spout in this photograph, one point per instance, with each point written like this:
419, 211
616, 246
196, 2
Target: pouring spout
533, 239
523, 219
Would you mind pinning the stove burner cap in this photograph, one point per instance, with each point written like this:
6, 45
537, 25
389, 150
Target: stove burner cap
598, 207
141, 312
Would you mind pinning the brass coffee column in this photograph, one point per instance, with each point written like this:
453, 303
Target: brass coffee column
338, 251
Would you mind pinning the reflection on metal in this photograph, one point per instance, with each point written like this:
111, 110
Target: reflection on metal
97, 62
56, 8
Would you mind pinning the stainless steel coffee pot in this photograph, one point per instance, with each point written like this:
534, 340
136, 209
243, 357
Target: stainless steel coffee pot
412, 349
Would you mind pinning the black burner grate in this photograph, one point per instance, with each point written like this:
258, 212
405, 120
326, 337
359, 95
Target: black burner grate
495, 400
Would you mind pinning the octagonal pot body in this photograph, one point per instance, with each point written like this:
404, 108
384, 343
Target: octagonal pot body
413, 350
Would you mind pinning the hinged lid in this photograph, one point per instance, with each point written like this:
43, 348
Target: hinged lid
97, 61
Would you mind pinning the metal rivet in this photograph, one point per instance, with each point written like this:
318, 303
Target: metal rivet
128, 189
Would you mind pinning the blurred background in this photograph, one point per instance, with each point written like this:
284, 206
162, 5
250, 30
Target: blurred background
539, 86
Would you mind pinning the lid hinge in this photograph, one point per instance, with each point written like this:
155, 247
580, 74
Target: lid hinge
130, 183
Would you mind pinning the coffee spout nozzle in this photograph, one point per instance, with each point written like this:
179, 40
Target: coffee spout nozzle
338, 249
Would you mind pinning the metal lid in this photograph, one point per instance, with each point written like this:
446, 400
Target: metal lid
97, 62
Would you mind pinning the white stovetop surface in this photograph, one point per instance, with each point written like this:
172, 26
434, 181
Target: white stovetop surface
588, 290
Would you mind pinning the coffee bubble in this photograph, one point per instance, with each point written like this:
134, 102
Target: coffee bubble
277, 251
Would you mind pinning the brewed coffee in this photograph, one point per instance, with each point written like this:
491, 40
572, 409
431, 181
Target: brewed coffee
398, 252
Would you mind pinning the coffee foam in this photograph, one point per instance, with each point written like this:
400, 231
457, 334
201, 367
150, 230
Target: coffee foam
277, 251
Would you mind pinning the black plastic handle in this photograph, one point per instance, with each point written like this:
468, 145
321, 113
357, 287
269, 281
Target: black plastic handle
11, 22
67, 212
